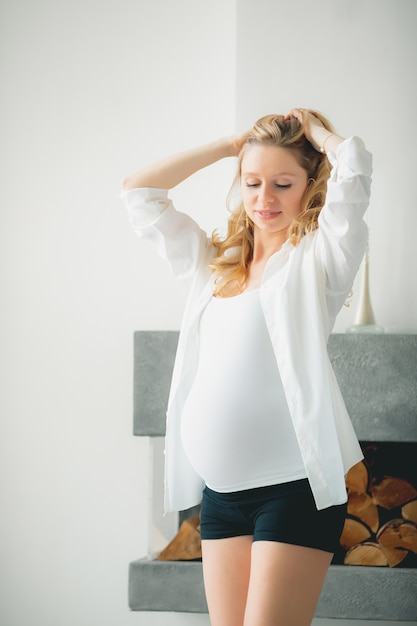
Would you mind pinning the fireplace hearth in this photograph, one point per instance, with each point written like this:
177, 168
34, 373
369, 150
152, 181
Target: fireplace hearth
378, 378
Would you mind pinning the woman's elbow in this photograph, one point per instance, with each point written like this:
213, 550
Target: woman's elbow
128, 183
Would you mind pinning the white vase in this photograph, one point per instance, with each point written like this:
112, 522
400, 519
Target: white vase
365, 319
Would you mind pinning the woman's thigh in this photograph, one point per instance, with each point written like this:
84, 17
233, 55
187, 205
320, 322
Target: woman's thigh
226, 570
285, 584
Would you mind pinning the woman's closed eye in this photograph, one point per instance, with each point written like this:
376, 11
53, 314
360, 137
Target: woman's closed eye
276, 185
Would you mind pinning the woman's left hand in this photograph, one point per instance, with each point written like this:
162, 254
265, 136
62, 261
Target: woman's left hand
314, 130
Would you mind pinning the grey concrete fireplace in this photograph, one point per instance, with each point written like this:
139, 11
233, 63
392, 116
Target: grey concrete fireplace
378, 378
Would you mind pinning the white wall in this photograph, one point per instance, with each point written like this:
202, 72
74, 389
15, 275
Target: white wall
90, 90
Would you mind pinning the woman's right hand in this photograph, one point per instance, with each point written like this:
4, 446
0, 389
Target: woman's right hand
237, 143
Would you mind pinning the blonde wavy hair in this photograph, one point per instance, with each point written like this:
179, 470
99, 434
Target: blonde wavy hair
234, 251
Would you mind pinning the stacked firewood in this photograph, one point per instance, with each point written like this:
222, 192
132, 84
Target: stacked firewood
381, 524
186, 545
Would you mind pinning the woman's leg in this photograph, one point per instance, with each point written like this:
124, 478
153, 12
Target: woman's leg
285, 584
226, 570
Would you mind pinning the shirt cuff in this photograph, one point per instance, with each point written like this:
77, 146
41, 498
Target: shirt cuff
145, 205
350, 159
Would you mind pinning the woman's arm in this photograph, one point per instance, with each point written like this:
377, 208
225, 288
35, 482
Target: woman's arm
171, 171
342, 230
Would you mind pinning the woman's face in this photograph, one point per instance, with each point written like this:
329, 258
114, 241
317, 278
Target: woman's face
273, 184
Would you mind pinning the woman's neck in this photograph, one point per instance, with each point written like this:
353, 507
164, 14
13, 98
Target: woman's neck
264, 248
266, 245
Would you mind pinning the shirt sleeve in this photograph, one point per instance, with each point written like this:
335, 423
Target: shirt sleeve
176, 236
144, 206
343, 233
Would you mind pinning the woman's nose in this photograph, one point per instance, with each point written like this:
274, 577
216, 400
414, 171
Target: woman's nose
266, 195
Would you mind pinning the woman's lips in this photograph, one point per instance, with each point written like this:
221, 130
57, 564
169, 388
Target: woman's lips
265, 215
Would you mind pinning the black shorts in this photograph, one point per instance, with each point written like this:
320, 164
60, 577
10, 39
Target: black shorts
286, 513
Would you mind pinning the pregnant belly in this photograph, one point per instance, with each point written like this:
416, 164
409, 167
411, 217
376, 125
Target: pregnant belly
239, 440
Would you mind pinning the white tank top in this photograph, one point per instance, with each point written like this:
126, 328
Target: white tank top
236, 427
